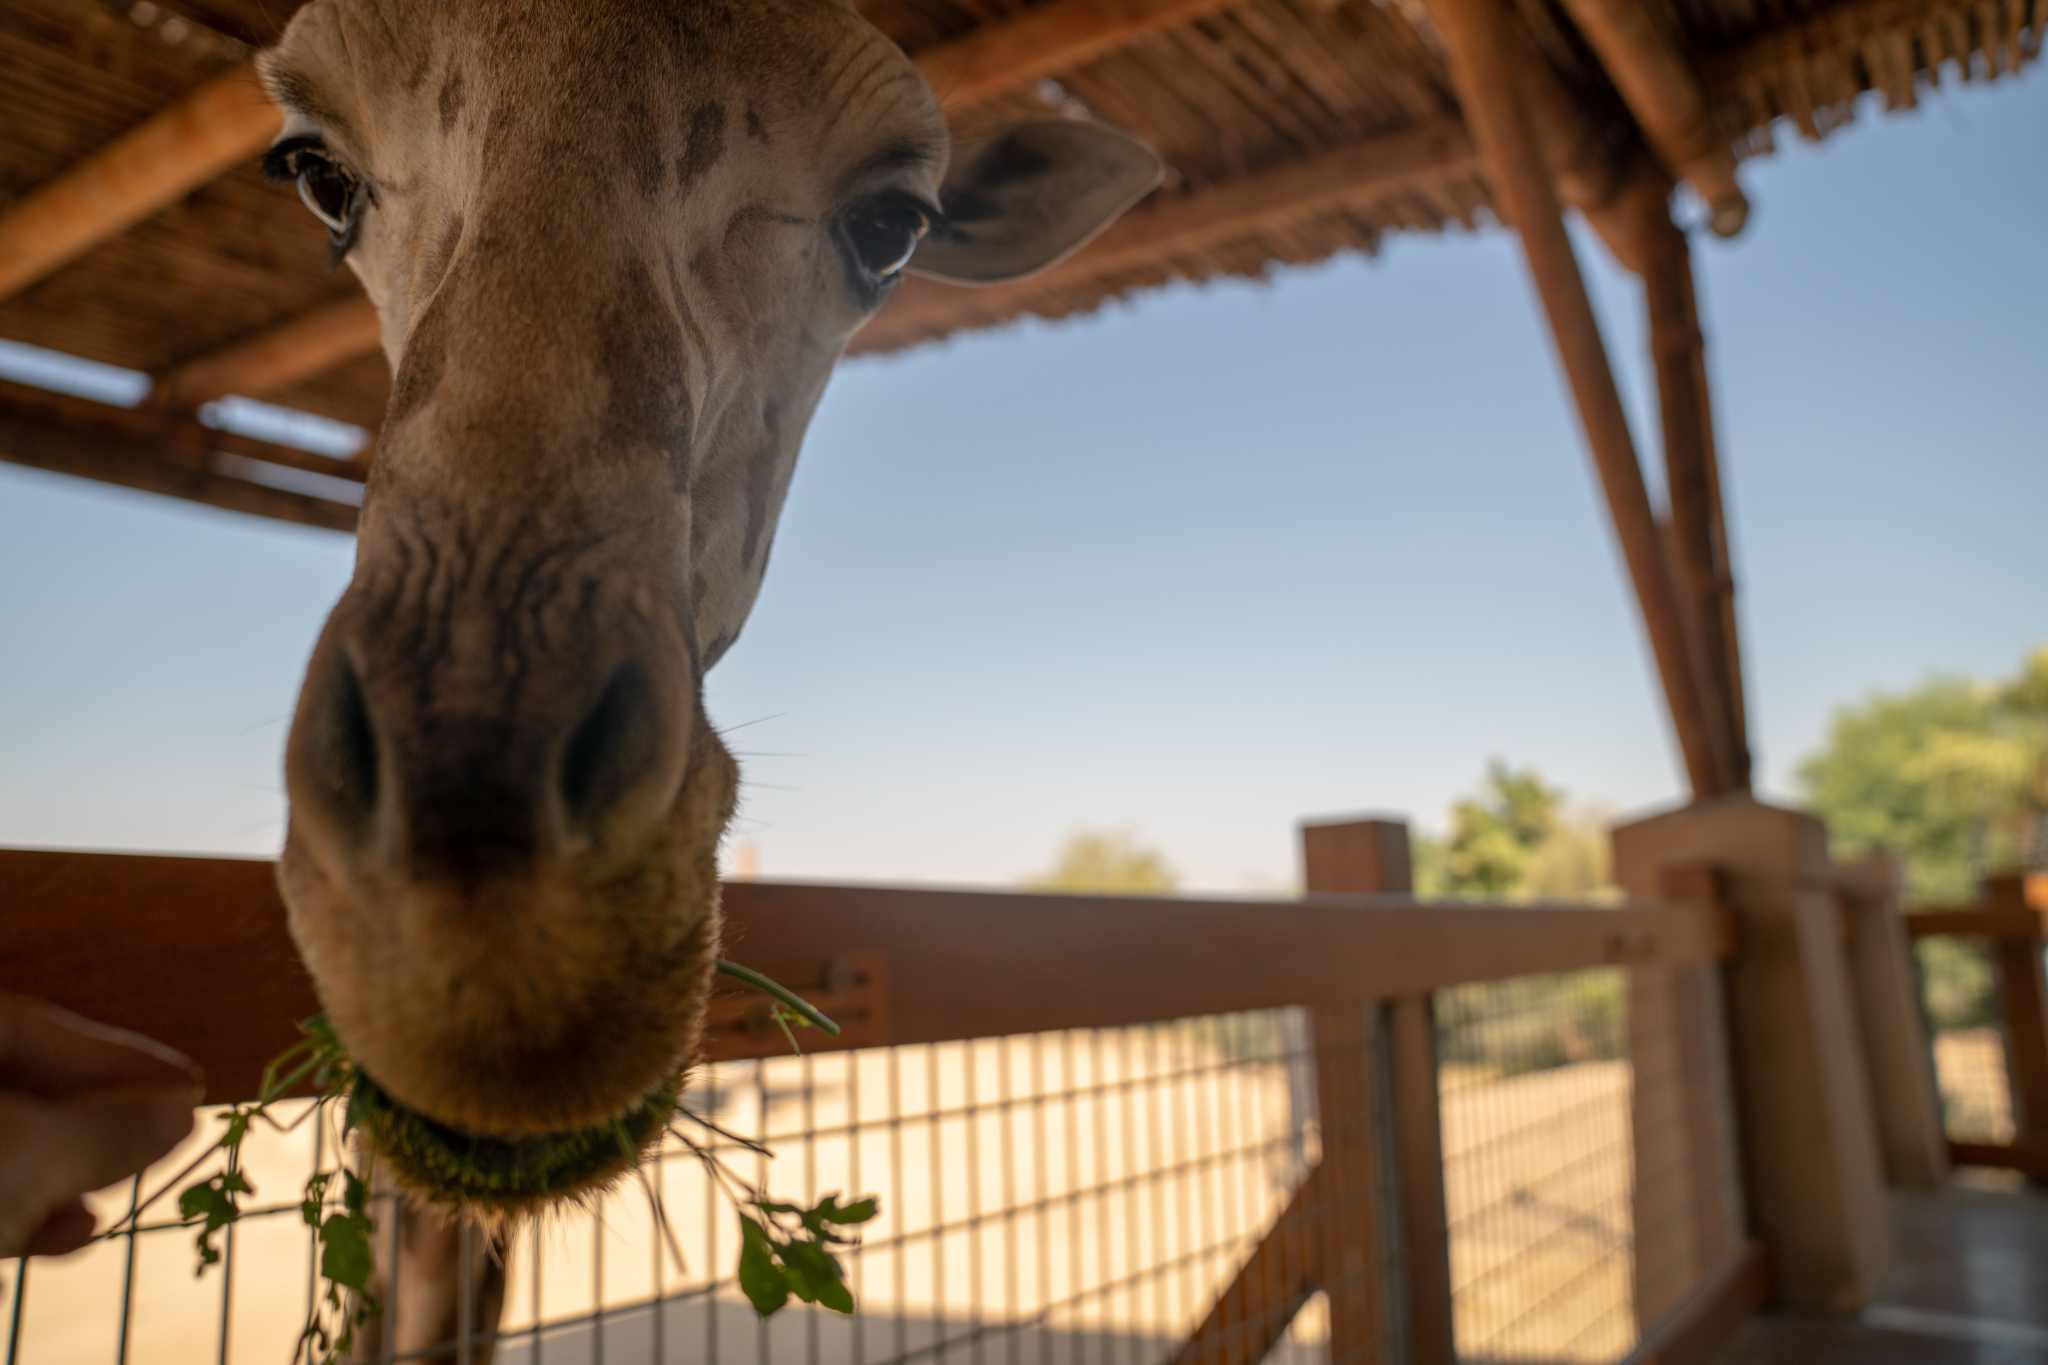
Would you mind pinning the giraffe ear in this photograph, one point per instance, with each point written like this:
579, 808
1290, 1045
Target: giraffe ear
1029, 193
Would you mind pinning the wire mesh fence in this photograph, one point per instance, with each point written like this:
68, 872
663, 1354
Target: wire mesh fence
1534, 1084
1069, 1198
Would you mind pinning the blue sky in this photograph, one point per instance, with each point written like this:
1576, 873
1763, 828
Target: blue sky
1221, 559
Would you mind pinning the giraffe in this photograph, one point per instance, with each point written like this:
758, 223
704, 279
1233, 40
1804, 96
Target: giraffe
616, 248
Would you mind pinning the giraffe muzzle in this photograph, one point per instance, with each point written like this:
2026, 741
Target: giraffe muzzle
501, 868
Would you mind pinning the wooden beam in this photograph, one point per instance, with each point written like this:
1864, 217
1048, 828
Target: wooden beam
1835, 31
1184, 224
1484, 70
92, 931
1697, 529
1045, 40
1658, 84
276, 358
225, 121
159, 454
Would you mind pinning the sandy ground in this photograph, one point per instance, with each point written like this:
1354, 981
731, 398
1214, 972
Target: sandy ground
1075, 1199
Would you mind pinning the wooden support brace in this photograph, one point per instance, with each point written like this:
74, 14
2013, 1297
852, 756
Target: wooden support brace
225, 121
1483, 67
1698, 536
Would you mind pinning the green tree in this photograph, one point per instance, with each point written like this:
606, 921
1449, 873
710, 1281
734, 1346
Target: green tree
1952, 777
1517, 840
1107, 860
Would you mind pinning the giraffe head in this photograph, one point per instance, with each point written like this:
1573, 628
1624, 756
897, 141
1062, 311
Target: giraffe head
616, 247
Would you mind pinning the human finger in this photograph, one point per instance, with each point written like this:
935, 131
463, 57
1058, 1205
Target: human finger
64, 1231
52, 1151
51, 1052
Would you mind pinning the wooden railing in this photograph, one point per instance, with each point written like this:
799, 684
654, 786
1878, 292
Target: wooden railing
194, 951
2012, 917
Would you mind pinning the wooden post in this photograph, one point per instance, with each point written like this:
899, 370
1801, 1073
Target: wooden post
2023, 1000
1419, 1142
1809, 1140
1687, 1198
1371, 857
1479, 44
1902, 1086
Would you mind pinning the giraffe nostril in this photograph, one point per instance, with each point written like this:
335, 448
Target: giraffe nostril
610, 748
344, 744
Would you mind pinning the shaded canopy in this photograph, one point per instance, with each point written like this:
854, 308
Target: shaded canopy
1294, 129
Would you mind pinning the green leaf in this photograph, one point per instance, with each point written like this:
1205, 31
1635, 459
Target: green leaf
316, 1197
816, 1276
355, 1194
345, 1251
859, 1212
763, 1282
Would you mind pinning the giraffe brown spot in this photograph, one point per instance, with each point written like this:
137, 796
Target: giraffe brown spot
703, 145
449, 102
641, 356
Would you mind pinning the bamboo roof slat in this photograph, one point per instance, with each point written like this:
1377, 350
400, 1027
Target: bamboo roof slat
1227, 90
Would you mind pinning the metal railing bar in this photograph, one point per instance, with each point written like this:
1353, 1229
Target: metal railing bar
15, 1315
128, 1274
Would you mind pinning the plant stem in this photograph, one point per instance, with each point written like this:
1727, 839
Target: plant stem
781, 992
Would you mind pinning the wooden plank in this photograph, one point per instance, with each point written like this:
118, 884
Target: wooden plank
1692, 1334
226, 121
158, 454
1167, 226
275, 358
104, 934
1659, 86
2027, 1153
1974, 922
1425, 1233
1484, 69
1046, 40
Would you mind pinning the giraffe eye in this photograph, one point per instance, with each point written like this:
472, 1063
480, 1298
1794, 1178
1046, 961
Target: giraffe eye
328, 191
884, 236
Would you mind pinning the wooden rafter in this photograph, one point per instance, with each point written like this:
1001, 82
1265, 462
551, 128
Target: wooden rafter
276, 358
159, 453
1045, 40
1484, 67
222, 123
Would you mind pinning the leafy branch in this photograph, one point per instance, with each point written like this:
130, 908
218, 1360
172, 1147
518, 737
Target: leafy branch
785, 1248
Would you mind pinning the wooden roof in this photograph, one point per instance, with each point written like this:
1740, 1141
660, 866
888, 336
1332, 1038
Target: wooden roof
1294, 129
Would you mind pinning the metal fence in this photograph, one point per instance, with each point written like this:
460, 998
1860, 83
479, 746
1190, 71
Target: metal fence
1071, 1198
1538, 1166
1474, 1142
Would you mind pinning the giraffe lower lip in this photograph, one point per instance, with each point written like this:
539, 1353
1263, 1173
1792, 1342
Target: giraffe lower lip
478, 1172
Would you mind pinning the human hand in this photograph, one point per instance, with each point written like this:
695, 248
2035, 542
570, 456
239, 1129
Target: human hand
82, 1105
